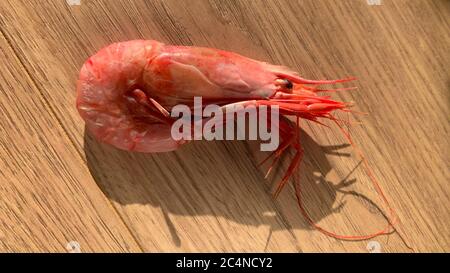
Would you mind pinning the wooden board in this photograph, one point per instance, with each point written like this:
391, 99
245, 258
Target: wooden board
48, 199
212, 196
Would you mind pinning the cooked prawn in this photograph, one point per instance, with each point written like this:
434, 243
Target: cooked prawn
126, 91
126, 88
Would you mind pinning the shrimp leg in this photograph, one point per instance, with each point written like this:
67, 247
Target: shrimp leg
289, 139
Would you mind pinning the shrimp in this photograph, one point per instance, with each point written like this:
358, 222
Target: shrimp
126, 91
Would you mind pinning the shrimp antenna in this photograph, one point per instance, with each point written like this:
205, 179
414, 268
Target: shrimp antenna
319, 82
390, 227
297, 79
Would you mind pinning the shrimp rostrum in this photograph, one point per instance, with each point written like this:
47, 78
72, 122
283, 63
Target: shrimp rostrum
126, 91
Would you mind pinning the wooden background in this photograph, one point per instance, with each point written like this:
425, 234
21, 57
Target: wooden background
57, 184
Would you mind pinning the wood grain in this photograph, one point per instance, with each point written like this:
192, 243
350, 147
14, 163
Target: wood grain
212, 196
47, 198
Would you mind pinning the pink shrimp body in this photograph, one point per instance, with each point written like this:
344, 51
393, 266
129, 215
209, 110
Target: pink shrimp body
126, 89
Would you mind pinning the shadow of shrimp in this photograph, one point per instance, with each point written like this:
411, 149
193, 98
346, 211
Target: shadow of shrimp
215, 178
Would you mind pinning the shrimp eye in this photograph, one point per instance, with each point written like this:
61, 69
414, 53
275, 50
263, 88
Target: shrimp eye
284, 84
288, 84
